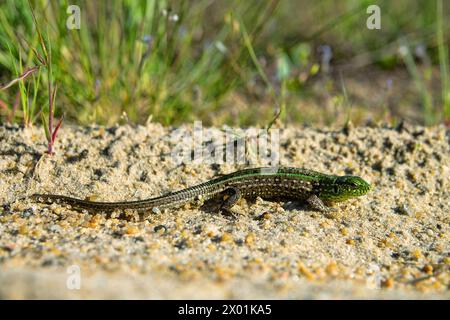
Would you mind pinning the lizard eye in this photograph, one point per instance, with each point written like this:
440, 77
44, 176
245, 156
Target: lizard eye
336, 189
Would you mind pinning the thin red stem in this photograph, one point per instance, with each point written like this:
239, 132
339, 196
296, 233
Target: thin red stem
50, 117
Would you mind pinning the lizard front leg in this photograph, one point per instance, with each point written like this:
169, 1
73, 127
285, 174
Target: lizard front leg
317, 204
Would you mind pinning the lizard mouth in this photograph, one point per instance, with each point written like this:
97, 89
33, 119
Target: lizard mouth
363, 188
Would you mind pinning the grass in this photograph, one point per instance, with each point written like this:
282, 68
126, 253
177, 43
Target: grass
443, 59
46, 61
420, 80
29, 105
25, 90
234, 62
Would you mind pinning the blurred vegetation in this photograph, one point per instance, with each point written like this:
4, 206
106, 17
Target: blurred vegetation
234, 62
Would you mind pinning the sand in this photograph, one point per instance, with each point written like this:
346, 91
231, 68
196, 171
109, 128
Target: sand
391, 243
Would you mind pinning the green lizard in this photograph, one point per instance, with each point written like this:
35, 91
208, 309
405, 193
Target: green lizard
267, 182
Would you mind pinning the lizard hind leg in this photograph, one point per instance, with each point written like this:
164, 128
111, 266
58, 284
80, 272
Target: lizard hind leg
234, 194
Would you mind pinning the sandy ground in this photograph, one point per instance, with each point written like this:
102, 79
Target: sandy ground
391, 243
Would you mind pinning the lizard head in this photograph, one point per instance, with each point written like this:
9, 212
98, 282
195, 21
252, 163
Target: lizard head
343, 188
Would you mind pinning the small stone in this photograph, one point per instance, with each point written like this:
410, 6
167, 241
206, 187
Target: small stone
23, 230
161, 229
303, 270
416, 253
92, 197
57, 210
27, 213
290, 229
428, 269
387, 283
250, 239
181, 244
332, 269
131, 230
226, 237
223, 273
156, 210
55, 228
265, 216
266, 225
350, 242
101, 132
185, 234
403, 209
92, 224
359, 271
324, 224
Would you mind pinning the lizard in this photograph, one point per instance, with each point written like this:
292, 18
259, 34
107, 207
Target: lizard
266, 182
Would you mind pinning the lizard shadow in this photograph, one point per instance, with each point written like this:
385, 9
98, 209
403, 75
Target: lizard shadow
213, 206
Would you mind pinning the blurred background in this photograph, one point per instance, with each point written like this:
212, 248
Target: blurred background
225, 62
